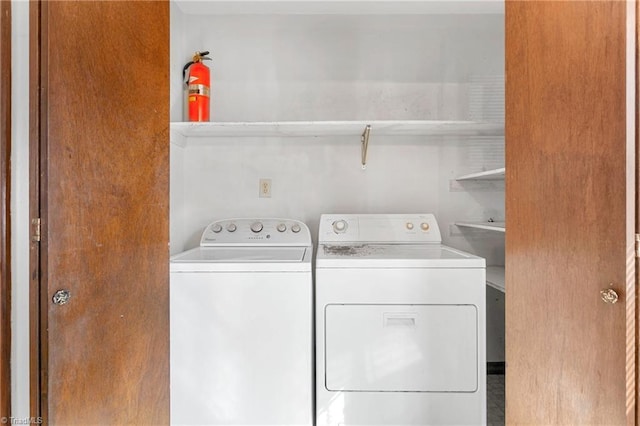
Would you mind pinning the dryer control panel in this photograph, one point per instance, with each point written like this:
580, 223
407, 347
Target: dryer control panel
256, 231
379, 228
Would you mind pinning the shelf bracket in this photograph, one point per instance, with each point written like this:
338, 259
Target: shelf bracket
364, 139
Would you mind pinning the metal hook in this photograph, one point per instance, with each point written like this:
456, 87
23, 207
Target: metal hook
365, 145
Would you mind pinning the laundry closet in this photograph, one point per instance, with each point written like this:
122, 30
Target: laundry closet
293, 87
338, 107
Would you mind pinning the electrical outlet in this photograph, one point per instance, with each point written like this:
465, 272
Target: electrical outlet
265, 188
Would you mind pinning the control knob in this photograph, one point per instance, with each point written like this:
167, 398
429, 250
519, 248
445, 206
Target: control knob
256, 227
232, 227
339, 226
281, 227
424, 226
216, 228
296, 228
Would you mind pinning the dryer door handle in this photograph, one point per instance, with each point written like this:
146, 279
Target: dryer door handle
399, 319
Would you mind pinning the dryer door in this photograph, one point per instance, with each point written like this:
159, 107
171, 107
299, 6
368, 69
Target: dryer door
400, 348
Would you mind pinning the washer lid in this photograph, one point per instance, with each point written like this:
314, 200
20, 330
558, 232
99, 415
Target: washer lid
242, 259
241, 254
394, 255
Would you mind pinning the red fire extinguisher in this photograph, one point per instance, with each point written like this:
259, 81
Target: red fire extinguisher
198, 87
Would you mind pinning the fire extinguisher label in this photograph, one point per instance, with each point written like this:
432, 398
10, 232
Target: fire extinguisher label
198, 89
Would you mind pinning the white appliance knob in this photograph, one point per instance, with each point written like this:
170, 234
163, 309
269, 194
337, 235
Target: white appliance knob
424, 226
256, 227
339, 226
282, 227
409, 226
216, 228
296, 228
232, 227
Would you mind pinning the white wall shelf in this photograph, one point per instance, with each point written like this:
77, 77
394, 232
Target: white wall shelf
495, 277
495, 174
337, 128
489, 226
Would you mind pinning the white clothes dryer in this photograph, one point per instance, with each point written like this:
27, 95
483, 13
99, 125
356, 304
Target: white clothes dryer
241, 326
400, 324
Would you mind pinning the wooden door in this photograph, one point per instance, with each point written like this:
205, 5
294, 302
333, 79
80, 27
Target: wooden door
103, 111
567, 211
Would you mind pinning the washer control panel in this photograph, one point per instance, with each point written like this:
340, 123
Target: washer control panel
383, 228
256, 231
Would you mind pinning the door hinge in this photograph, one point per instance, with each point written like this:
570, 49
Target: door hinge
637, 246
36, 229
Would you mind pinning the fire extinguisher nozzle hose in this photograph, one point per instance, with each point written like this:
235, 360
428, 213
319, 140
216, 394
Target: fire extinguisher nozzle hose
184, 72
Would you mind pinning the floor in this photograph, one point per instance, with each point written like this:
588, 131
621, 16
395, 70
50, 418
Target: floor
495, 400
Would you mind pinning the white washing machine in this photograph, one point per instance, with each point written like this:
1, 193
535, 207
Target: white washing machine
241, 326
400, 324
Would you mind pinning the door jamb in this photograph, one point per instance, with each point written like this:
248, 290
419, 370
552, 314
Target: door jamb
633, 415
5, 208
37, 133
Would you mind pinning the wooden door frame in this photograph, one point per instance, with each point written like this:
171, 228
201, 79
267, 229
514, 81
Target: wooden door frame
37, 159
5, 207
634, 415
37, 103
